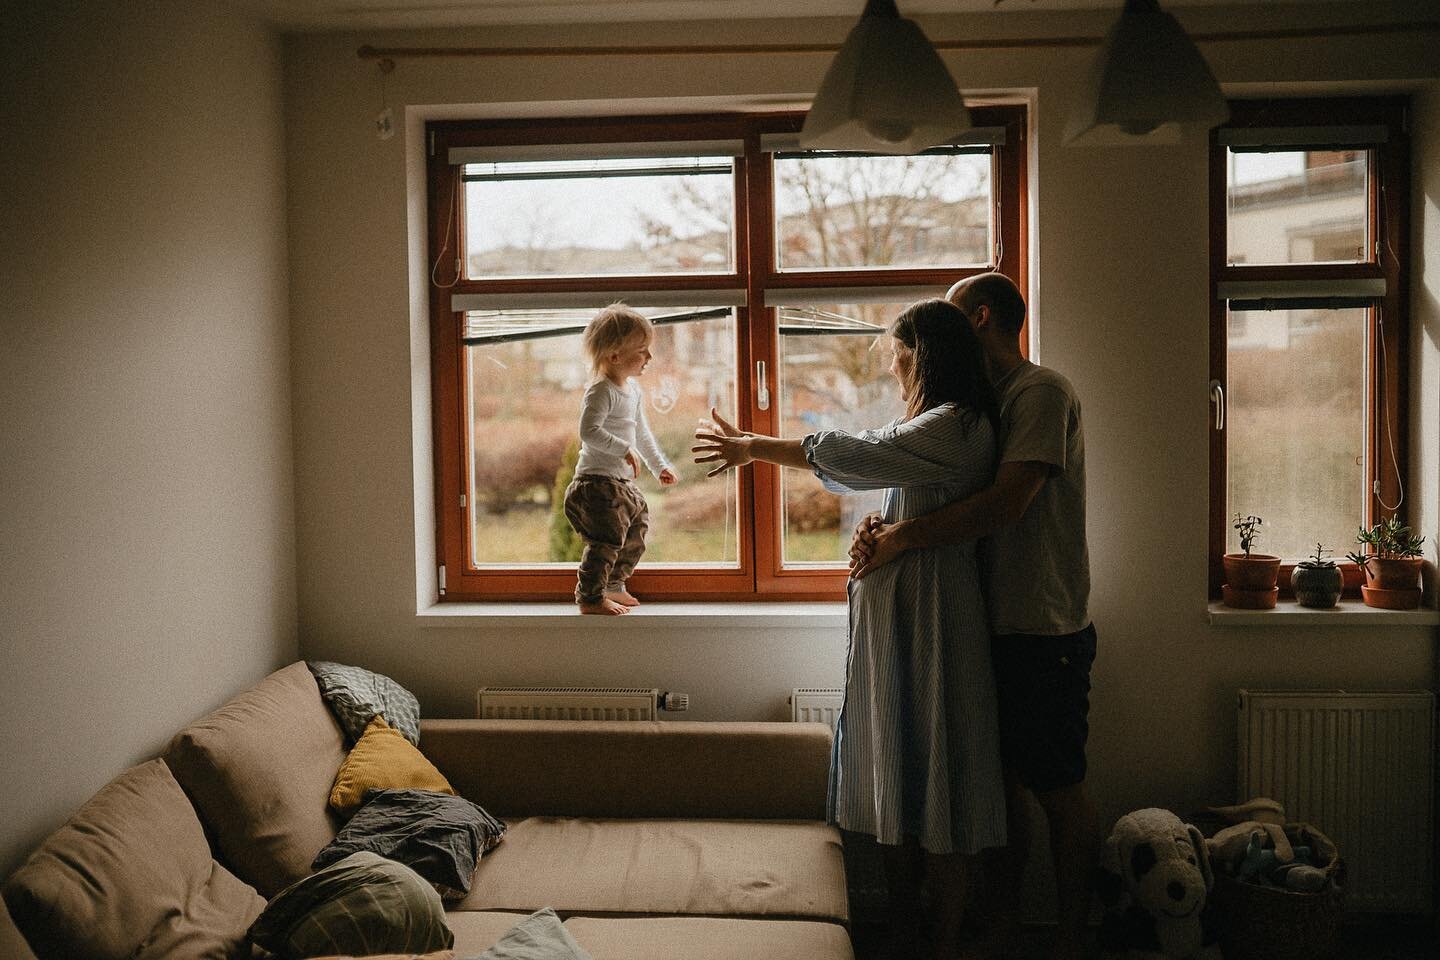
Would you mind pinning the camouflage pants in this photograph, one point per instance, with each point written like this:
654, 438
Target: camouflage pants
611, 516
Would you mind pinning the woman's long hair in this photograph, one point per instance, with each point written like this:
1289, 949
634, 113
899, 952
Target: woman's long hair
948, 363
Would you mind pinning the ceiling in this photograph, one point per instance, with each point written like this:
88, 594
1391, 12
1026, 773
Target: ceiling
326, 15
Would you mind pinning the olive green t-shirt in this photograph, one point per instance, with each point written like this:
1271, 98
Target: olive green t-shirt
1039, 569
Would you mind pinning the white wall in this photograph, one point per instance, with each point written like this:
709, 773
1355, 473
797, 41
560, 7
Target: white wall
1120, 308
147, 515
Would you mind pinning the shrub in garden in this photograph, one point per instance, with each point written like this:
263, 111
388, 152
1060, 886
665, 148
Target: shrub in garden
516, 459
565, 543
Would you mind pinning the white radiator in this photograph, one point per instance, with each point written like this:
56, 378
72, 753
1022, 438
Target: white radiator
1361, 768
816, 705
566, 703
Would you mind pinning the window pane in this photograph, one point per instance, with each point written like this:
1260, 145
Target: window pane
845, 212
1296, 425
1306, 206
524, 409
590, 217
833, 376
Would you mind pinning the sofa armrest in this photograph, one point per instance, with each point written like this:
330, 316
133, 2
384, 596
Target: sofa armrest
627, 769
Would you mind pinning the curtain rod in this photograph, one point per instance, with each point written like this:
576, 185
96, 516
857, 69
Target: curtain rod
368, 52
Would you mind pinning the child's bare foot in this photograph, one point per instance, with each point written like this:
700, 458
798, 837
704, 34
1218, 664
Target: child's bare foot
622, 597
605, 607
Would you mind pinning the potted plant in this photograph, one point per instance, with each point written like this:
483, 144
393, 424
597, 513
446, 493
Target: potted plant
1316, 581
1250, 577
1390, 556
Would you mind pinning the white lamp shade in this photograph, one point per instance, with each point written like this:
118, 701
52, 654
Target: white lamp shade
1148, 73
887, 91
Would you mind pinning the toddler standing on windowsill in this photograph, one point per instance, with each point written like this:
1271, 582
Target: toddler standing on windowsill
603, 503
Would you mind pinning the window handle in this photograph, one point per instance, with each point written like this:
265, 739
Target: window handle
1217, 397
762, 391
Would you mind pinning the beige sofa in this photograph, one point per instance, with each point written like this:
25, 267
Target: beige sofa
652, 840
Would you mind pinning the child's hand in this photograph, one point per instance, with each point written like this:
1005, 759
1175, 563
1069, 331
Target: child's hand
667, 477
634, 462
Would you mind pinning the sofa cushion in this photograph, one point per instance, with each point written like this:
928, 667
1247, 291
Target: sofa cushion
362, 905
709, 938
701, 867
714, 770
477, 930
131, 875
259, 770
382, 760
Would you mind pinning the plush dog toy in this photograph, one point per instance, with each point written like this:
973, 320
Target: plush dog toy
1154, 880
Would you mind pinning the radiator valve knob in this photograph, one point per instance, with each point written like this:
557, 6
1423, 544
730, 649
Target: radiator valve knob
675, 702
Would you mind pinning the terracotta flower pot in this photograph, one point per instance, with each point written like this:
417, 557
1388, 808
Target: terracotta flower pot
1255, 572
1317, 587
1390, 599
1393, 574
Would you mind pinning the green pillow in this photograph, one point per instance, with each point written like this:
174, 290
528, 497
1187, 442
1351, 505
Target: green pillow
361, 905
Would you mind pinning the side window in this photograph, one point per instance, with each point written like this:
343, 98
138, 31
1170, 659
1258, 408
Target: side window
1308, 331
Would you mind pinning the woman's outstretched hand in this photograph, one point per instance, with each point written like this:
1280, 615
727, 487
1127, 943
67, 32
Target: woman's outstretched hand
720, 442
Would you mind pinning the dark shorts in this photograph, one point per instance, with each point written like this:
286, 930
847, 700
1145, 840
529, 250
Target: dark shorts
1043, 685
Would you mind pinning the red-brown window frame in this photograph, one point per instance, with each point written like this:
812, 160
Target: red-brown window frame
1386, 399
761, 574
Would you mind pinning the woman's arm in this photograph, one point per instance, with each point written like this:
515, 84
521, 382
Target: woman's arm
925, 451
734, 448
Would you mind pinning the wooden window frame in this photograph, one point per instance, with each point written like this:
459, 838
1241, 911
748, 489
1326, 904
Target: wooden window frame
1386, 395
760, 574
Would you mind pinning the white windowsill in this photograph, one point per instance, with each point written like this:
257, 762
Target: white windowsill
1349, 613
668, 615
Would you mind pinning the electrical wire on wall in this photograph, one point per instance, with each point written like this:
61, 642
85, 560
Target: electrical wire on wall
1385, 370
447, 236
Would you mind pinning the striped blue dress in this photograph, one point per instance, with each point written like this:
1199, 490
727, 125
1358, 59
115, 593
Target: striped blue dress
917, 747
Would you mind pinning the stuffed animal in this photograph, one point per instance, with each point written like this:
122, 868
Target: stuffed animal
1154, 880
1230, 848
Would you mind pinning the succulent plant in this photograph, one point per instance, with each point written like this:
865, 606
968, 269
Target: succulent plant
1390, 540
1248, 530
1317, 560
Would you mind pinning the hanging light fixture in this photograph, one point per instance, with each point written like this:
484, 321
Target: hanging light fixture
887, 91
1148, 73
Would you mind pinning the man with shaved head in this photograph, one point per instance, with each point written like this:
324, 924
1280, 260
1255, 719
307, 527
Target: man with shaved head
1038, 588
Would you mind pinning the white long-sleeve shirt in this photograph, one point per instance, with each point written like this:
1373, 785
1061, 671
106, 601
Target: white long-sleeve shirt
612, 421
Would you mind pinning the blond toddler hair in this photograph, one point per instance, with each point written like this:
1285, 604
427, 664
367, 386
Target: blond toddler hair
611, 329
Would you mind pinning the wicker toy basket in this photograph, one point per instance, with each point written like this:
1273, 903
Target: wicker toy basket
1270, 923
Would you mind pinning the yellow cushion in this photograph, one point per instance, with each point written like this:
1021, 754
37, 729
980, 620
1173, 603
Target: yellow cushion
383, 759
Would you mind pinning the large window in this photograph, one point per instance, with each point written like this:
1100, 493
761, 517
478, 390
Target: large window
1308, 324
770, 274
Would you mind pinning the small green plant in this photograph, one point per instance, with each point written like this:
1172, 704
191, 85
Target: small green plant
1317, 560
565, 543
1249, 532
1389, 540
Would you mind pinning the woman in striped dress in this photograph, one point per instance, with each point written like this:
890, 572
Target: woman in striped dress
916, 761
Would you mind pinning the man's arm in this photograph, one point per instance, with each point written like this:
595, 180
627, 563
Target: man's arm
1001, 504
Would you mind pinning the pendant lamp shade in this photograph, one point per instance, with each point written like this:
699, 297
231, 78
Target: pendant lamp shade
1148, 73
887, 91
